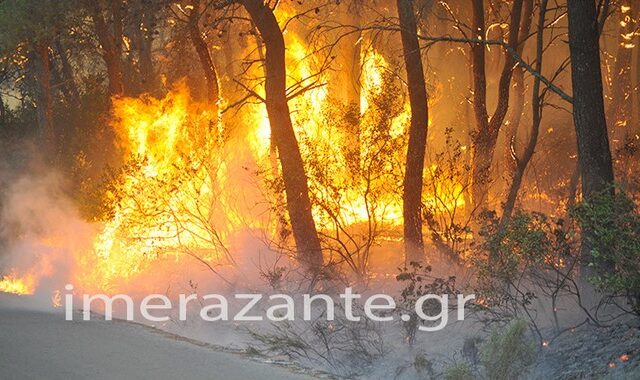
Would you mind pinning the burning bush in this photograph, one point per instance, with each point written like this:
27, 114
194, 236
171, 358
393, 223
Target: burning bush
444, 199
354, 185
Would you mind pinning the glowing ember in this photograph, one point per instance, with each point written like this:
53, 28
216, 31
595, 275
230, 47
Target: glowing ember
56, 299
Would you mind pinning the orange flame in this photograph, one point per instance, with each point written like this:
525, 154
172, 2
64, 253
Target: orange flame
172, 202
15, 284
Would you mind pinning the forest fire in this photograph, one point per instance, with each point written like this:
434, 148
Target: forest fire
175, 148
172, 150
168, 141
174, 145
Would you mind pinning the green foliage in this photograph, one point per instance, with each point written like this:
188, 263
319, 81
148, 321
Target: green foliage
611, 225
459, 372
506, 355
523, 240
522, 259
28, 21
423, 366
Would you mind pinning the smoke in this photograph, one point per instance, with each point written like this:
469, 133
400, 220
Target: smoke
41, 231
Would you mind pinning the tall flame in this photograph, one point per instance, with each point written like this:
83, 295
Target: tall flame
172, 201
162, 203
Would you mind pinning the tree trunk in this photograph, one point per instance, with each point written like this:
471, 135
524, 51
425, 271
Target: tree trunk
515, 117
486, 134
536, 111
412, 187
144, 33
70, 86
293, 173
512, 125
479, 104
210, 74
588, 105
44, 97
348, 81
111, 43
594, 154
351, 53
3, 112
636, 88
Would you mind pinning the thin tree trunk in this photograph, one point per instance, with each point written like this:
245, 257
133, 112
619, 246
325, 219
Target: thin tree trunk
479, 102
636, 88
536, 111
602, 14
515, 117
353, 54
293, 173
3, 111
487, 131
412, 187
70, 86
573, 187
210, 73
144, 34
44, 96
349, 77
512, 125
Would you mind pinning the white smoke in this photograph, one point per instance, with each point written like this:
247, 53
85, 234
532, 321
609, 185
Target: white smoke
41, 231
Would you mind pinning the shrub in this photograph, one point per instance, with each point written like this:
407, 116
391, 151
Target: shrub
345, 348
354, 163
447, 215
611, 227
418, 282
423, 366
459, 372
520, 260
506, 355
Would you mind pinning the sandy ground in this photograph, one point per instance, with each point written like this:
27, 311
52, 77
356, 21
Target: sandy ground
36, 345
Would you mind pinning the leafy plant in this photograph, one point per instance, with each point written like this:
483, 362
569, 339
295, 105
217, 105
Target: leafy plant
611, 226
422, 365
506, 355
520, 260
354, 185
459, 372
347, 347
